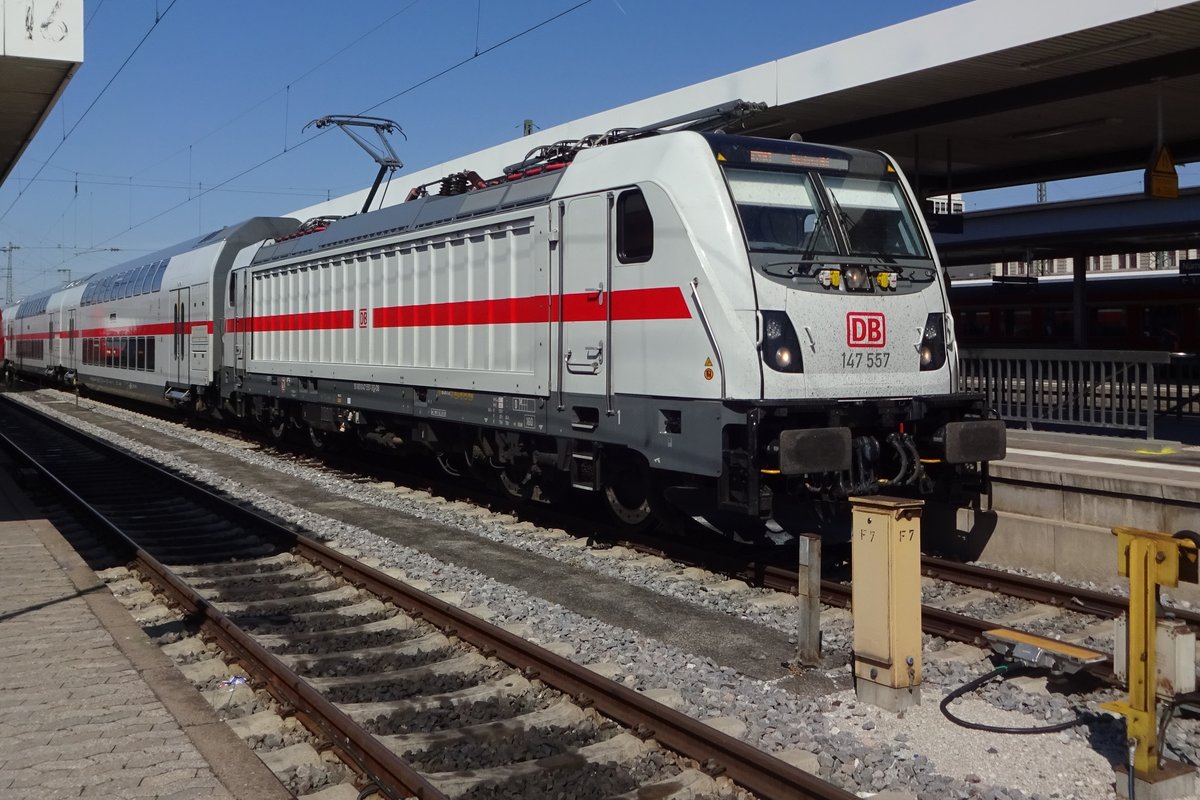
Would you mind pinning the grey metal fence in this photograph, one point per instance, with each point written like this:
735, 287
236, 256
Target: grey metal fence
1100, 389
1177, 389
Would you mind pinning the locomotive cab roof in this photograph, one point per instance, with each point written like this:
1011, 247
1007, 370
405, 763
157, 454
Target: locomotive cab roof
533, 181
758, 152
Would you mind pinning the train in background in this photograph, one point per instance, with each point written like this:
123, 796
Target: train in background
1151, 310
743, 331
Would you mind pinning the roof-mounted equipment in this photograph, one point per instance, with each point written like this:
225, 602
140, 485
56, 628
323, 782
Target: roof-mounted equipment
550, 157
452, 184
384, 155
314, 225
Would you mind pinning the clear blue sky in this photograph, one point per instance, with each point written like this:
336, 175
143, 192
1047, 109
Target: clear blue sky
220, 86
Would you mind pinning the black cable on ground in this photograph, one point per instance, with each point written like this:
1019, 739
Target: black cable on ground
979, 726
1178, 700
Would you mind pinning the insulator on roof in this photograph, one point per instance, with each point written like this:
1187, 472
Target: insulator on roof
460, 183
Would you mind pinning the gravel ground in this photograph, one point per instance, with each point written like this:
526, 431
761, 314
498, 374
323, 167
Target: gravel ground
921, 753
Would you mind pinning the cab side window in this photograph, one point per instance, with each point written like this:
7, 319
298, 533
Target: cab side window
635, 228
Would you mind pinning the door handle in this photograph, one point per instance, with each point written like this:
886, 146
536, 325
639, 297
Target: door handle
598, 291
593, 358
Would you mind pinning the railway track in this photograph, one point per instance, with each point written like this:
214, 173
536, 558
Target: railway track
936, 621
419, 697
765, 572
947, 624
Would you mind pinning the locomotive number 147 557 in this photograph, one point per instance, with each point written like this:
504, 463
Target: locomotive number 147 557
868, 360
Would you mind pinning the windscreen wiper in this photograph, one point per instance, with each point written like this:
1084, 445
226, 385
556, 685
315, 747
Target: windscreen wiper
795, 267
814, 237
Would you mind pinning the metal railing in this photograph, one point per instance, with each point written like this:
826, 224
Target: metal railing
1177, 387
1101, 389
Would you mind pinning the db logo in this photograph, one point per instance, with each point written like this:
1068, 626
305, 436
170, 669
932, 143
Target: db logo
865, 329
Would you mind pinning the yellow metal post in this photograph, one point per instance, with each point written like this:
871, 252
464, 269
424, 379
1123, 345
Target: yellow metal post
1149, 559
886, 569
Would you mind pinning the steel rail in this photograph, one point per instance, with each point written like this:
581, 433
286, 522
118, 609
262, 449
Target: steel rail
719, 754
1071, 598
394, 776
934, 621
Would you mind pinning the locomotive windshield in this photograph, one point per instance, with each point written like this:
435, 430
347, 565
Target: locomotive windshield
875, 217
780, 211
812, 214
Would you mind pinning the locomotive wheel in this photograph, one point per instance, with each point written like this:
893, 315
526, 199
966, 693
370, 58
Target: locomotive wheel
316, 438
627, 494
630, 509
322, 441
516, 482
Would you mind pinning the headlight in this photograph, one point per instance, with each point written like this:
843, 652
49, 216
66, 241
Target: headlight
780, 347
857, 278
932, 350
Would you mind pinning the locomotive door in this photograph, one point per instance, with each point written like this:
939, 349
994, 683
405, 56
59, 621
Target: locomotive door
179, 370
241, 321
585, 310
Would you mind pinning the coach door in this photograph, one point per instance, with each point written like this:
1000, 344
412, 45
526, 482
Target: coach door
585, 310
197, 332
178, 370
69, 355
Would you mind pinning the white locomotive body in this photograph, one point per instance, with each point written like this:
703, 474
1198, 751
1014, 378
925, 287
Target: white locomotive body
737, 327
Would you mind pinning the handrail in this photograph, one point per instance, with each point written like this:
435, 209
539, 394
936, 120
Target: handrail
695, 284
1138, 356
1122, 389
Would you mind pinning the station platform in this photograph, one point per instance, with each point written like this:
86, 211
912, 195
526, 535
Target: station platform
89, 706
1057, 496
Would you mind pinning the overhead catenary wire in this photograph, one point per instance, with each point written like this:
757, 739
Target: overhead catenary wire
157, 19
220, 185
317, 136
374, 28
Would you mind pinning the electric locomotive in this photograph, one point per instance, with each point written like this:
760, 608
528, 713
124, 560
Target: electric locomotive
740, 330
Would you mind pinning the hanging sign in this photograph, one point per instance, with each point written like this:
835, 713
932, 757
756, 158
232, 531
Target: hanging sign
1160, 180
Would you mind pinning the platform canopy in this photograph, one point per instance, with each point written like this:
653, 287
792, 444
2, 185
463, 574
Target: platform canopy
986, 94
1006, 92
41, 47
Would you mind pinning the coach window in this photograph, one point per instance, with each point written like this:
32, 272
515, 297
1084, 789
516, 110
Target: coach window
159, 268
635, 228
1161, 326
1018, 323
140, 279
1108, 322
1060, 324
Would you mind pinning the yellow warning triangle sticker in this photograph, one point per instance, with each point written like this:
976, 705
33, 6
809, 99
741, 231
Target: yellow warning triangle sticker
1163, 161
720, 157
708, 362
